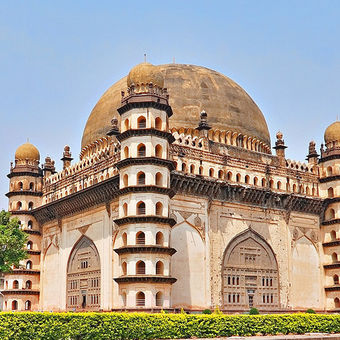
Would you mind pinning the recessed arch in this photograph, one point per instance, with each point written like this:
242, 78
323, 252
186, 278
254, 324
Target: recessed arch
141, 122
248, 259
83, 266
141, 150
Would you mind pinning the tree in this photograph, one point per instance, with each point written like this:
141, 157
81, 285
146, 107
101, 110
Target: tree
12, 242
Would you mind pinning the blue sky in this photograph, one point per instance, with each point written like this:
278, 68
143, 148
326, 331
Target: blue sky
57, 58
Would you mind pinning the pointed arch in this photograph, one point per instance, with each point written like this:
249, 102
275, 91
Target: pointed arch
83, 276
249, 261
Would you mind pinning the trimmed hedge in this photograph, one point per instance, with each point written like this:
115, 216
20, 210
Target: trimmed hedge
93, 326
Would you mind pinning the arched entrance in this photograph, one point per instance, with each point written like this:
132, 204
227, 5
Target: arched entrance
249, 274
83, 277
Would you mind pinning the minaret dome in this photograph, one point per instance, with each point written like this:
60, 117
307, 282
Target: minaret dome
27, 151
332, 133
145, 73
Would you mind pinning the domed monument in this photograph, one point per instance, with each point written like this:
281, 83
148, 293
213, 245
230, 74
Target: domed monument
177, 201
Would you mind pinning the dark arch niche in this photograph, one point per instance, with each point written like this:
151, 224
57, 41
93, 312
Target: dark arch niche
83, 277
249, 274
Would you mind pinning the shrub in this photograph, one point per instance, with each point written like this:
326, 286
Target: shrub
311, 311
254, 311
95, 326
206, 311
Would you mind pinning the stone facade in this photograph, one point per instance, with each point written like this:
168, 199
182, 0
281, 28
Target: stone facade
155, 215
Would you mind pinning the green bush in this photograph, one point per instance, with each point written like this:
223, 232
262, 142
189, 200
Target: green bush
254, 311
311, 311
207, 311
86, 326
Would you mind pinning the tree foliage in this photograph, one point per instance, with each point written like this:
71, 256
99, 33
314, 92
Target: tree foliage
12, 242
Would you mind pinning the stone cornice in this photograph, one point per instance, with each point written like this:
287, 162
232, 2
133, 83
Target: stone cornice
143, 101
145, 219
24, 271
333, 288
20, 292
24, 192
33, 252
331, 243
100, 193
145, 132
31, 232
25, 173
145, 249
21, 212
329, 179
329, 158
145, 278
148, 189
224, 191
332, 265
145, 160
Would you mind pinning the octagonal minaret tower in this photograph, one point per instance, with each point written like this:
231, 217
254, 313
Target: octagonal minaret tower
330, 190
21, 290
145, 279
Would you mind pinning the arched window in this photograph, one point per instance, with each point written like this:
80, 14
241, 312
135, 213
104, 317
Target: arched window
256, 181
336, 303
159, 239
31, 186
184, 167
141, 122
141, 178
159, 209
125, 209
124, 268
263, 182
158, 123
124, 299
333, 235
141, 151
159, 151
238, 178
159, 268
159, 299
140, 299
330, 192
247, 179
126, 180
271, 184
14, 305
140, 238
28, 284
220, 174
278, 185
294, 188
126, 152
211, 172
330, 214
29, 265
229, 175
20, 186
329, 171
124, 239
29, 245
192, 168
28, 305
334, 257
30, 205
140, 268
126, 124
200, 170
141, 208
19, 206
15, 284
307, 191
336, 279
159, 179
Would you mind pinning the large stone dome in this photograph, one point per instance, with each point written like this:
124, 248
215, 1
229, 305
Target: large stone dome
191, 90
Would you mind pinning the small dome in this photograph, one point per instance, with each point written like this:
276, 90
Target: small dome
145, 73
27, 151
332, 133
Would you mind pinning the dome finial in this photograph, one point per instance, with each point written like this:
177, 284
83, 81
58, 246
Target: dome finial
144, 57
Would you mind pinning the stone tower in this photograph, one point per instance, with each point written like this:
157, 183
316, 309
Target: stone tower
330, 190
25, 193
144, 197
